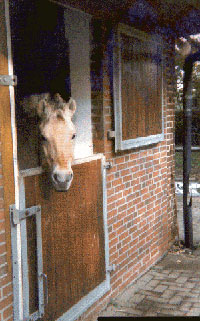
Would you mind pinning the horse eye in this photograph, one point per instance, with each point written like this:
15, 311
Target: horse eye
73, 136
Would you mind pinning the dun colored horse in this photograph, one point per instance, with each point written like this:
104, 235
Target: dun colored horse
58, 133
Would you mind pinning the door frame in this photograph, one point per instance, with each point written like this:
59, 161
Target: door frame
13, 183
18, 231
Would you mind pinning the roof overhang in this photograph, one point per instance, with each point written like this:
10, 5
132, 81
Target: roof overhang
180, 17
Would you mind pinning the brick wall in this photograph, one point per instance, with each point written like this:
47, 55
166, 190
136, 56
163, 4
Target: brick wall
5, 278
142, 222
140, 188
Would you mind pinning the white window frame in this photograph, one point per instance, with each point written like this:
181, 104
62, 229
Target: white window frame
121, 144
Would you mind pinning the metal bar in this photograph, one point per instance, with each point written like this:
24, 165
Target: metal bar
19, 215
187, 139
15, 230
40, 273
25, 271
18, 220
7, 80
16, 270
188, 226
24, 252
193, 148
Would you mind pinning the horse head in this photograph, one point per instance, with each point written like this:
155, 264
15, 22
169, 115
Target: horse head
58, 133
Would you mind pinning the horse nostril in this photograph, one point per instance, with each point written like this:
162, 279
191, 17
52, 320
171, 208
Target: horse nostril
69, 177
58, 178
55, 177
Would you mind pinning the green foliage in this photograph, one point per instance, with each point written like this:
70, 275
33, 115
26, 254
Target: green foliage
179, 62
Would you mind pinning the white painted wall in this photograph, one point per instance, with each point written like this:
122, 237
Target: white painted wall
77, 33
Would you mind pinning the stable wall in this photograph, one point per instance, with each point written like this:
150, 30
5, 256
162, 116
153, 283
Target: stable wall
140, 189
142, 217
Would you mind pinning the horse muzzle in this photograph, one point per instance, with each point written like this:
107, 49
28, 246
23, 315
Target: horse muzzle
62, 180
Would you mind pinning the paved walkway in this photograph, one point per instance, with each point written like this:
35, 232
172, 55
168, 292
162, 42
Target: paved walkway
170, 288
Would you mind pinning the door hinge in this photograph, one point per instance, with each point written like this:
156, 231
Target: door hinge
7, 80
108, 165
111, 134
18, 215
111, 268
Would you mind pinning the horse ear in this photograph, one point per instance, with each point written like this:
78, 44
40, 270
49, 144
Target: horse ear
43, 107
72, 105
58, 98
38, 103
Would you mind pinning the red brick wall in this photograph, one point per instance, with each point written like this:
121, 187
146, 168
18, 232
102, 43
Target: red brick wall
5, 278
140, 191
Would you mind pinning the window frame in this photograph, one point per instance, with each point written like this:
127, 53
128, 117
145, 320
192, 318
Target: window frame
121, 144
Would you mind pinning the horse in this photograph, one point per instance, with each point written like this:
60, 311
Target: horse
58, 133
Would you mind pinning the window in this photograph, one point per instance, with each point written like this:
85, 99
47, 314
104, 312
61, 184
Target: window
137, 88
50, 55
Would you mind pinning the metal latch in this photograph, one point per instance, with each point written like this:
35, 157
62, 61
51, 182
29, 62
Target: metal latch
108, 165
18, 215
111, 268
7, 80
111, 134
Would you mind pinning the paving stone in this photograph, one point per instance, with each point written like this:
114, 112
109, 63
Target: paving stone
177, 287
160, 300
139, 285
167, 271
160, 288
182, 279
125, 296
168, 309
194, 280
185, 306
147, 277
147, 305
150, 314
174, 275
168, 294
189, 285
153, 283
193, 299
151, 293
109, 311
137, 298
157, 274
175, 300
194, 312
192, 294
129, 311
196, 305
157, 267
184, 294
170, 283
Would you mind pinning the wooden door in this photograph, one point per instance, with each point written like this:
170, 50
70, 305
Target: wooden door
72, 223
72, 238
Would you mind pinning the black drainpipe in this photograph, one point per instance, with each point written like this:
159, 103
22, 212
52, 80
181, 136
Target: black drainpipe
187, 142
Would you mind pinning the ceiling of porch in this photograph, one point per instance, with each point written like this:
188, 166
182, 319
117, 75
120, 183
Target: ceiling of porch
181, 17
